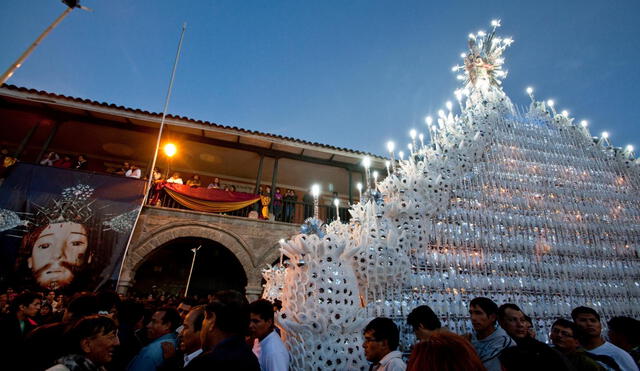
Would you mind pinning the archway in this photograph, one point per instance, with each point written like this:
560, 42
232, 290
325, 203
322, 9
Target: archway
166, 269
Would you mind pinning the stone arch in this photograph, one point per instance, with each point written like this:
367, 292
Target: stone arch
159, 237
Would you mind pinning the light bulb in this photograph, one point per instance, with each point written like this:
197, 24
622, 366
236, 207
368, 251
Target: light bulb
413, 133
315, 190
410, 146
336, 202
428, 120
550, 103
421, 137
605, 135
629, 148
565, 113
366, 162
463, 55
584, 123
495, 23
387, 163
390, 146
401, 154
449, 105
441, 113
529, 90
359, 186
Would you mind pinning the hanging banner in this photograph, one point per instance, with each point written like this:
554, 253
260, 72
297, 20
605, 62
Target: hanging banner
64, 230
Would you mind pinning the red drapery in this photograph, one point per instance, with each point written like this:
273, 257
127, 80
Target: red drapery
209, 200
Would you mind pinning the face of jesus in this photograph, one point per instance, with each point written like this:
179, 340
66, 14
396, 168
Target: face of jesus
58, 252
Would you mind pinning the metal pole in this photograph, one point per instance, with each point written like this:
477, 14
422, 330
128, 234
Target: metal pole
155, 155
8, 73
193, 262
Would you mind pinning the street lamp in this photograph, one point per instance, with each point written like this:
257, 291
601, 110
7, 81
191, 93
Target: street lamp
170, 150
193, 262
336, 202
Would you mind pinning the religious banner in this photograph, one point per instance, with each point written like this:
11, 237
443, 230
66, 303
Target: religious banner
64, 230
209, 200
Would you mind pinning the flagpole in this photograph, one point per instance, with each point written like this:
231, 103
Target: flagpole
193, 262
155, 154
9, 72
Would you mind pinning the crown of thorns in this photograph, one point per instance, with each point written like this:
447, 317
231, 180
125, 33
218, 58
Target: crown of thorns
74, 206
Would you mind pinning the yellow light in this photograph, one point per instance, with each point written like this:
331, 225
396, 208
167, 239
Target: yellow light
170, 149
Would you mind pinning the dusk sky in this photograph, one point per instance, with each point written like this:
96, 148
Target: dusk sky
346, 73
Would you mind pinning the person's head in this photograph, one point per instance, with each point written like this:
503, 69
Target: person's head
381, 336
233, 188
175, 175
190, 335
56, 253
624, 332
423, 321
483, 312
260, 318
444, 350
588, 320
94, 337
277, 190
51, 296
225, 316
511, 319
267, 189
81, 304
164, 321
133, 167
565, 335
45, 309
184, 307
27, 304
531, 331
196, 177
126, 165
80, 157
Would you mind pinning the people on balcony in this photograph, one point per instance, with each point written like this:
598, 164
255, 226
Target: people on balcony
64, 163
289, 205
194, 181
175, 178
133, 172
51, 158
123, 169
81, 163
265, 200
215, 184
277, 204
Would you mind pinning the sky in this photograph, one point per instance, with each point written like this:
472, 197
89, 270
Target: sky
348, 73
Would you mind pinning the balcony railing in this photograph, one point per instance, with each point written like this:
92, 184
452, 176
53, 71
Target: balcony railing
290, 212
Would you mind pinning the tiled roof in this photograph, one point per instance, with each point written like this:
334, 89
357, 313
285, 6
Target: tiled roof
183, 118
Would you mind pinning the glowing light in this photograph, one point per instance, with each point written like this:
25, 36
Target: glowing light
449, 105
359, 186
481, 33
170, 149
529, 90
495, 23
550, 103
336, 202
605, 135
472, 36
410, 146
390, 146
421, 137
428, 120
387, 163
458, 94
366, 162
315, 190
401, 154
375, 176
455, 68
281, 240
584, 123
629, 148
565, 113
463, 55
441, 113
413, 133
460, 77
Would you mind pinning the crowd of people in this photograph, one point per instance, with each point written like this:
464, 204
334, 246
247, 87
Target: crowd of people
104, 331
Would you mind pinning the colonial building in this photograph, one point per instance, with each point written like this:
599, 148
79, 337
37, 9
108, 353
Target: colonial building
235, 248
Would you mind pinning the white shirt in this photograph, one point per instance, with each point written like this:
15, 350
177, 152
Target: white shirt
622, 358
174, 180
271, 353
391, 362
189, 357
133, 174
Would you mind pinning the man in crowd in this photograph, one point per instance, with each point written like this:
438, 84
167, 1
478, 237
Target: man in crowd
488, 340
268, 346
161, 329
381, 339
589, 322
15, 327
423, 321
624, 332
91, 342
190, 341
564, 337
183, 309
225, 324
514, 322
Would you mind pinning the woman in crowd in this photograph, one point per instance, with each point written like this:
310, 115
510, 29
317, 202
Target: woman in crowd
51, 158
444, 350
194, 181
215, 184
